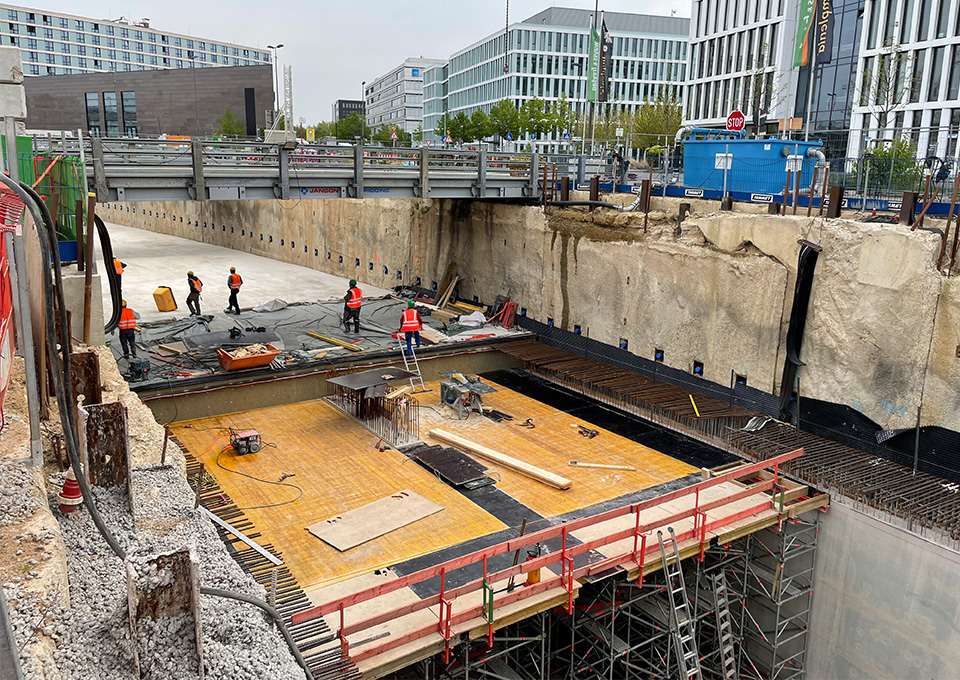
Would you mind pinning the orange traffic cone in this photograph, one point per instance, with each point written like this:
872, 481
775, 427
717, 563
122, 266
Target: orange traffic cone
70, 496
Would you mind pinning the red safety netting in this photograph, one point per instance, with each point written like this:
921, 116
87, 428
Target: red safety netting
11, 212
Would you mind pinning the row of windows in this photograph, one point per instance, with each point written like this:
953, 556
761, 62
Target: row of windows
106, 121
916, 77
82, 29
574, 89
722, 15
112, 56
932, 129
717, 98
905, 21
735, 53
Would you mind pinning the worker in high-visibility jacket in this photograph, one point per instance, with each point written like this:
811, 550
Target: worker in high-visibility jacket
233, 283
193, 298
411, 323
351, 309
118, 267
128, 322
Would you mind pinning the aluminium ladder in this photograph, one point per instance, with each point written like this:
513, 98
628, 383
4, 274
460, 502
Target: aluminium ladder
680, 618
411, 361
728, 655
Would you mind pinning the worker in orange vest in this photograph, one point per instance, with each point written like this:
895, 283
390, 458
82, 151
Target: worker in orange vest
351, 309
411, 323
128, 322
118, 267
193, 299
233, 283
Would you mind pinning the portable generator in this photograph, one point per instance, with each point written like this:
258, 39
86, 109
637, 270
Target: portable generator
139, 369
247, 441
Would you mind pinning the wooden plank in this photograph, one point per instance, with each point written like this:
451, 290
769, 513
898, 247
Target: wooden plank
448, 292
171, 348
577, 463
355, 527
539, 474
334, 341
430, 336
399, 392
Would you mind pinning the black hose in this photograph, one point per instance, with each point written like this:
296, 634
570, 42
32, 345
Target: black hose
596, 204
64, 394
106, 249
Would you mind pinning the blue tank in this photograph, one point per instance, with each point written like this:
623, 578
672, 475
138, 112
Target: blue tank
755, 166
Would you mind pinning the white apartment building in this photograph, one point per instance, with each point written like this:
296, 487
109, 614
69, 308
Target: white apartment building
54, 43
396, 98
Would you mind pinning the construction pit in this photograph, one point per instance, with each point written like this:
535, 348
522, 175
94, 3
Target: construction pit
539, 501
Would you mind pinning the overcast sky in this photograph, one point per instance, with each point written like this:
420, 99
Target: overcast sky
334, 45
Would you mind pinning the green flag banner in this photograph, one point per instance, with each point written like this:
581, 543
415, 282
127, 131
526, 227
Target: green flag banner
801, 48
593, 67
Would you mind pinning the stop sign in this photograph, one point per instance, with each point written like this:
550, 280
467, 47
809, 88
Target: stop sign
735, 121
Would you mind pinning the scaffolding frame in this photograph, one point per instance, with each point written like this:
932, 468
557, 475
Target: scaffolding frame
621, 630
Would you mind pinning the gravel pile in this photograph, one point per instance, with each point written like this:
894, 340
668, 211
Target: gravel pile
93, 638
17, 502
166, 648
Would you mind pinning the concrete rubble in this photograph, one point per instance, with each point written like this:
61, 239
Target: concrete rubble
68, 601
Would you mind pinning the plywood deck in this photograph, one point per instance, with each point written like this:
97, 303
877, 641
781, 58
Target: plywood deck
551, 445
338, 467
335, 462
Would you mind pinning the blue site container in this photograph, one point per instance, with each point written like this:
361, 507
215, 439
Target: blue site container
756, 166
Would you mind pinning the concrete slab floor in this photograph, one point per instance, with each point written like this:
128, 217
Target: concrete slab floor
155, 260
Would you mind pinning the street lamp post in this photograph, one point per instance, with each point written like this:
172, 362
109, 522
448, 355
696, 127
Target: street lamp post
363, 116
276, 79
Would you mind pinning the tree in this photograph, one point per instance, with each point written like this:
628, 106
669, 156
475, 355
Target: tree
350, 127
417, 134
534, 118
460, 128
480, 127
888, 89
560, 118
230, 125
505, 119
763, 91
894, 165
659, 118
323, 129
384, 132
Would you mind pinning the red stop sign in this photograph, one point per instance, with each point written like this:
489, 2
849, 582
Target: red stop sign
735, 121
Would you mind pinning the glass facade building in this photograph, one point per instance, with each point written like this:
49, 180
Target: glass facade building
545, 56
53, 43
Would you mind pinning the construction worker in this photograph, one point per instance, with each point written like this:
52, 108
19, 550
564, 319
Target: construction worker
351, 309
128, 322
233, 283
118, 267
411, 323
193, 299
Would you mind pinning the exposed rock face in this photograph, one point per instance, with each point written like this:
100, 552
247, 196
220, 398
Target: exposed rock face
880, 333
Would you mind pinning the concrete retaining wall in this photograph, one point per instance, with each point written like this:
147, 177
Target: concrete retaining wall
880, 333
885, 603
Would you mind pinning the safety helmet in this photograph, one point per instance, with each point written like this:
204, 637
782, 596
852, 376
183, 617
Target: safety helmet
233, 269
123, 303
190, 273
411, 304
353, 282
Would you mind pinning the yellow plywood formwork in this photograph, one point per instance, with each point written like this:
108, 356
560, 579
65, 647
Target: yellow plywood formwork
551, 444
337, 466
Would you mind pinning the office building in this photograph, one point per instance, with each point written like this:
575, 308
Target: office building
857, 100
139, 103
396, 98
924, 103
344, 108
54, 43
546, 56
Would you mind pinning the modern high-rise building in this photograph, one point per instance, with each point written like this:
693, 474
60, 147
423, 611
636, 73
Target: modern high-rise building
396, 98
344, 108
918, 43
886, 69
546, 56
54, 43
